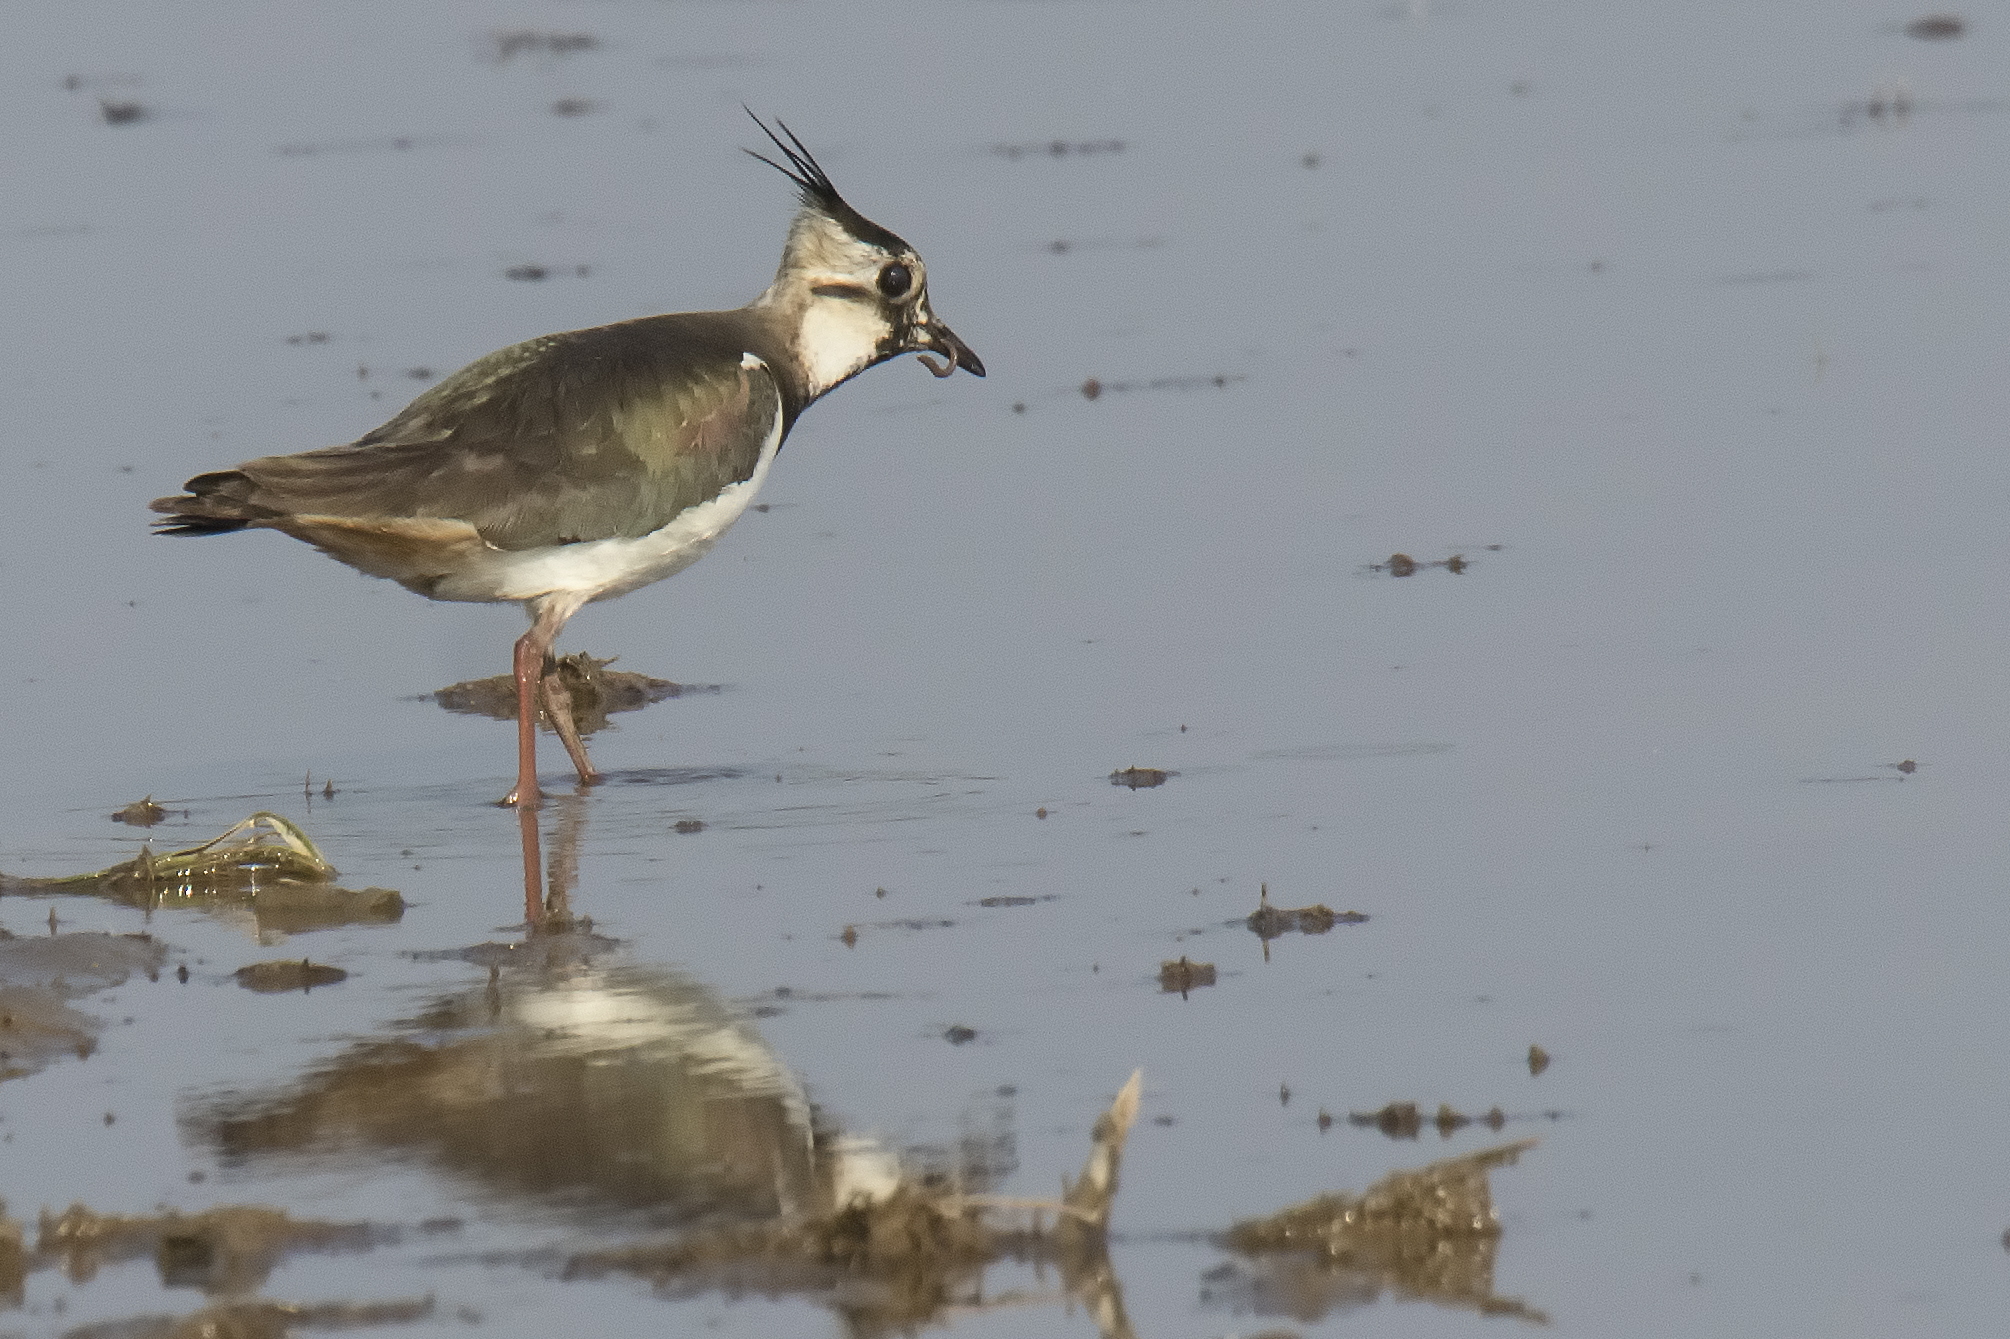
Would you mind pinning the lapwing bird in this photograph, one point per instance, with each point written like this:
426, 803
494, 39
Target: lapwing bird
580, 466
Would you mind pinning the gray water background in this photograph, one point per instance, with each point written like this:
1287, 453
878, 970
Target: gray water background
1641, 294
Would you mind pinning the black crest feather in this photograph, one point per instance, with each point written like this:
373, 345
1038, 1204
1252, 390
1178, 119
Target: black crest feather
813, 184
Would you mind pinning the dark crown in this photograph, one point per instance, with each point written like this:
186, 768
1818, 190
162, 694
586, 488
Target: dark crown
814, 188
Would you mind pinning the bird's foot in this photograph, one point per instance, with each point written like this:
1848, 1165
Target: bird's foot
515, 800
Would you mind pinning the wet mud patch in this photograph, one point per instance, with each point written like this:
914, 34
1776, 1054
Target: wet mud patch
1270, 922
227, 1252
1429, 1234
1403, 565
265, 865
1183, 975
40, 976
144, 813
597, 693
1095, 388
287, 975
233, 1249
893, 1248
1408, 1120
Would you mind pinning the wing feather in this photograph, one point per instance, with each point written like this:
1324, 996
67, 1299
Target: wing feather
593, 434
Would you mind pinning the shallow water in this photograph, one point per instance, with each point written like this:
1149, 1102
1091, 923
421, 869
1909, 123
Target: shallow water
1676, 324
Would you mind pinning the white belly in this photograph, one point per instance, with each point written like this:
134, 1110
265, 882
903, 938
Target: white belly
600, 569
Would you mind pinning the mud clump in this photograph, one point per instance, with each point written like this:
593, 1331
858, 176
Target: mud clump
1403, 565
1429, 1234
1269, 922
286, 975
1184, 975
1538, 1060
1405, 1120
901, 1257
1141, 778
141, 813
266, 863
597, 691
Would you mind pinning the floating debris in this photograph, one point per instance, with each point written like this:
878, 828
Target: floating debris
265, 846
1538, 1060
573, 107
1141, 778
121, 113
687, 825
897, 1251
141, 813
288, 974
1936, 28
959, 1035
1184, 975
597, 693
1403, 565
1268, 922
1059, 148
265, 861
526, 273
1405, 1120
1427, 1235
1908, 767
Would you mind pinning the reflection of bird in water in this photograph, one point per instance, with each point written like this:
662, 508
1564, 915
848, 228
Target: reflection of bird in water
568, 1077
577, 1086
580, 466
562, 1081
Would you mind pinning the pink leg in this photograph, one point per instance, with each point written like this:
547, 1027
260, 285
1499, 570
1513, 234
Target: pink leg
532, 649
558, 708
533, 866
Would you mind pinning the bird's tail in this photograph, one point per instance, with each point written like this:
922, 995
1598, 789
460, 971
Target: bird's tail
215, 504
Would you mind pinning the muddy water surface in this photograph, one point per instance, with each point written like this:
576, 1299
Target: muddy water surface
1678, 327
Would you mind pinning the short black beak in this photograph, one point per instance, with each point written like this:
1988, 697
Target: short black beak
940, 338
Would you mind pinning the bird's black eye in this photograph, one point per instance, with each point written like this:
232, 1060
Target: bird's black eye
895, 279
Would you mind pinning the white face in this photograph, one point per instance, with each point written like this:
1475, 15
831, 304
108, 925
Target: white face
858, 300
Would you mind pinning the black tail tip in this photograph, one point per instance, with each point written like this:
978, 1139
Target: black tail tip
198, 525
